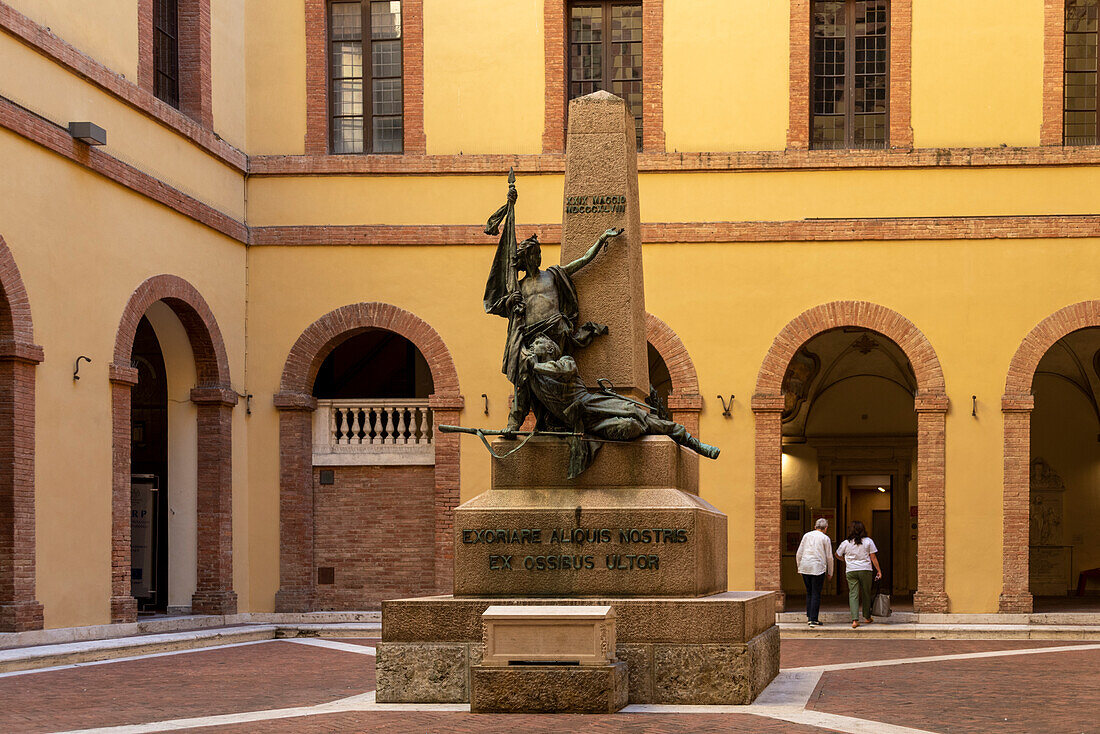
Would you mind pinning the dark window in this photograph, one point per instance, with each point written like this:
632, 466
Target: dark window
605, 52
850, 74
353, 83
1079, 116
166, 51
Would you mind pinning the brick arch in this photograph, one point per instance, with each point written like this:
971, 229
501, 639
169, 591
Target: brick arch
19, 356
1017, 404
930, 402
214, 398
684, 401
295, 402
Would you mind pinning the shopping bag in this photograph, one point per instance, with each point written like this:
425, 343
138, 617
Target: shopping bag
881, 606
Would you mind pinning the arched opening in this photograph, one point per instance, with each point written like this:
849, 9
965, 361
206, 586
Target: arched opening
660, 381
374, 473
1064, 476
367, 487
172, 534
849, 433
785, 382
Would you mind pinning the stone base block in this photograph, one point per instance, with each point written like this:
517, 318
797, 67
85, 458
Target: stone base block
718, 649
548, 689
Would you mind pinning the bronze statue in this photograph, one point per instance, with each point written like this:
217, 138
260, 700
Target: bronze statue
543, 303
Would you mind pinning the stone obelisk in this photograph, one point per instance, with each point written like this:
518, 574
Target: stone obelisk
601, 192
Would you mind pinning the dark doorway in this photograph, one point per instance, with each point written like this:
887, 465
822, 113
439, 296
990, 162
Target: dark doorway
149, 474
374, 364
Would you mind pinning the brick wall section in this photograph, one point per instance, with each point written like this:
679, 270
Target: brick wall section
1054, 40
900, 81
555, 70
684, 401
317, 105
376, 527
19, 355
215, 397
297, 523
1017, 405
931, 405
194, 57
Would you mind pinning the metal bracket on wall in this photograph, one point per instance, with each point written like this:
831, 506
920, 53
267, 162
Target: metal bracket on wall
974, 405
486, 398
76, 368
726, 406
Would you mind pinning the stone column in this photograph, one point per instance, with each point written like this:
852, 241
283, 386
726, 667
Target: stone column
930, 596
19, 610
214, 592
123, 377
767, 410
445, 411
297, 584
1016, 585
601, 191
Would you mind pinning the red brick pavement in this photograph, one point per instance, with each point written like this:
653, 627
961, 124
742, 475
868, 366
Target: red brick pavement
232, 680
387, 722
1022, 694
808, 652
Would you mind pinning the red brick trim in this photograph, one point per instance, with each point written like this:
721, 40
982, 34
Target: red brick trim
931, 406
554, 70
194, 57
56, 139
412, 59
19, 610
684, 401
901, 64
137, 96
1054, 41
294, 401
215, 398
1017, 405
808, 230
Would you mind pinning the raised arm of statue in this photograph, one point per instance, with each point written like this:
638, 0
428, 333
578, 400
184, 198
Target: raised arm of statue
594, 250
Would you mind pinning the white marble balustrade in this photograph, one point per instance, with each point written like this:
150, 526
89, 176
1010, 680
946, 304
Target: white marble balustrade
363, 432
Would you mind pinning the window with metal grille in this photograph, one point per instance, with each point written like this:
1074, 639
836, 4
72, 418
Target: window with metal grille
605, 52
166, 51
356, 29
850, 74
1079, 117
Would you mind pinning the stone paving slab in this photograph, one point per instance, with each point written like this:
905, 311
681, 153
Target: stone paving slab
806, 653
385, 722
1023, 694
260, 676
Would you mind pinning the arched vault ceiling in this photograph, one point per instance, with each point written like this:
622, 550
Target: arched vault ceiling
1075, 358
834, 357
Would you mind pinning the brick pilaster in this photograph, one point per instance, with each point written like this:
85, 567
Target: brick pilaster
123, 605
194, 61
1016, 504
930, 596
19, 610
297, 585
767, 410
447, 485
1054, 41
214, 591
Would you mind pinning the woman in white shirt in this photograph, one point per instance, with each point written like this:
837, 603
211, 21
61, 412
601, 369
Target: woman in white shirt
859, 555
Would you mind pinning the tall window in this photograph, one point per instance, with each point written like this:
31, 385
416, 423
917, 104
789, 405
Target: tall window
605, 52
166, 51
850, 74
1079, 111
356, 127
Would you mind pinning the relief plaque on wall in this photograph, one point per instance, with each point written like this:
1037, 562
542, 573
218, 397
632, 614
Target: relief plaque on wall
1050, 560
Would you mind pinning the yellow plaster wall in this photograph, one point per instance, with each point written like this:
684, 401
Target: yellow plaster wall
977, 73
45, 88
80, 263
275, 78
725, 79
485, 95
227, 70
106, 30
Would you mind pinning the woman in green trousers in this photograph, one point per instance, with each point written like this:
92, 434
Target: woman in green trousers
859, 555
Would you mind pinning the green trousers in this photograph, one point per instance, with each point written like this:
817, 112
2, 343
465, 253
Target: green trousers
859, 584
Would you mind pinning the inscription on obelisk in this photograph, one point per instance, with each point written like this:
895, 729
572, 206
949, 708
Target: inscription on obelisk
601, 192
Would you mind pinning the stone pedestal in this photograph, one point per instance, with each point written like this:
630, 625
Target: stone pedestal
717, 649
544, 689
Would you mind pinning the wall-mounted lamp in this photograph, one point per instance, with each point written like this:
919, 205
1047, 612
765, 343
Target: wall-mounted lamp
486, 399
88, 133
76, 368
881, 489
726, 406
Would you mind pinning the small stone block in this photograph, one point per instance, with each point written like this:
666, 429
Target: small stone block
584, 635
548, 689
421, 673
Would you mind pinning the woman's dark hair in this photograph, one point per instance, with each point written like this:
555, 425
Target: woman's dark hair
856, 532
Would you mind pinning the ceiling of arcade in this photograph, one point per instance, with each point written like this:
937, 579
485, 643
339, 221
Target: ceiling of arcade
1075, 358
848, 371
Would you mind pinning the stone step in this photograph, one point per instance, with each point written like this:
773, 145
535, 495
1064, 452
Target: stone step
843, 618
925, 631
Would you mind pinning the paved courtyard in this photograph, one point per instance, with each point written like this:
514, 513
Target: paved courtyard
862, 686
